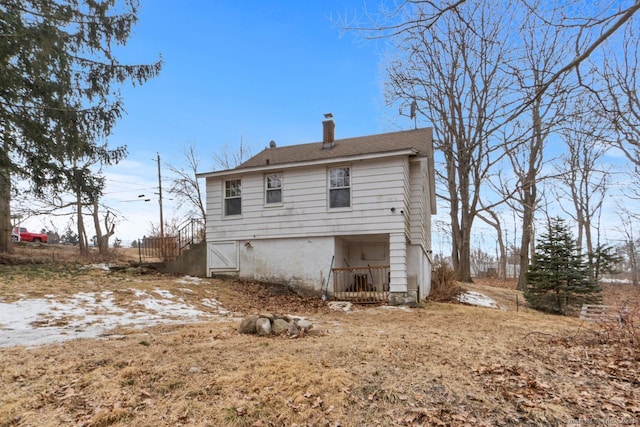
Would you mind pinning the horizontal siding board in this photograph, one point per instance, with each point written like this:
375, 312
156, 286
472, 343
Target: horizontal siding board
375, 187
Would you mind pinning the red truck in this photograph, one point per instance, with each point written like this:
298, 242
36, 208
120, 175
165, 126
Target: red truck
26, 236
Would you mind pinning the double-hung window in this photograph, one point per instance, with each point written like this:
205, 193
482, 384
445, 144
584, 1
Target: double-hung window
273, 188
232, 197
340, 187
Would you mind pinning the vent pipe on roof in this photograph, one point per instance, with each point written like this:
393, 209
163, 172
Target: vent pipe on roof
328, 131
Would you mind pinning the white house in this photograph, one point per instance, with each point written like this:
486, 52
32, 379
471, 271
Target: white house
349, 218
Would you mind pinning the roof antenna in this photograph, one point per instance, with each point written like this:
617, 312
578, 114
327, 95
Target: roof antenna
413, 113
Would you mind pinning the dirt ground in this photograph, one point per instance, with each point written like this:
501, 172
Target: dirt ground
438, 364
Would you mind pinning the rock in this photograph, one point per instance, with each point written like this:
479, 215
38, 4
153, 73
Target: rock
293, 330
269, 316
304, 324
279, 326
284, 317
248, 325
263, 326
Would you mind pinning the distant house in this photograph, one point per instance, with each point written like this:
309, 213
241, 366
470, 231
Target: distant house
349, 218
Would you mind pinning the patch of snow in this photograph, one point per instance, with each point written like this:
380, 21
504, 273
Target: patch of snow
478, 299
138, 292
99, 266
38, 321
163, 293
610, 280
189, 280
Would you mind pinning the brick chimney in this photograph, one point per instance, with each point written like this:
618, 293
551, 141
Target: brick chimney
328, 131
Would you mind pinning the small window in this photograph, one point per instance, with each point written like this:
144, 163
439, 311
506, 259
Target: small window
274, 188
340, 188
232, 197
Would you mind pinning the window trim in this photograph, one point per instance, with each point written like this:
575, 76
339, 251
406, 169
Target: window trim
225, 198
349, 187
267, 189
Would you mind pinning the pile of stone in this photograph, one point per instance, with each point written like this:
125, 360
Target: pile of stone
277, 324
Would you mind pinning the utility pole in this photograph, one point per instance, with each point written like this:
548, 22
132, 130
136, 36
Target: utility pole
160, 199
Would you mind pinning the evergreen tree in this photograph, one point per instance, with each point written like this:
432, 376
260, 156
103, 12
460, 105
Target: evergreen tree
604, 261
69, 237
558, 279
59, 96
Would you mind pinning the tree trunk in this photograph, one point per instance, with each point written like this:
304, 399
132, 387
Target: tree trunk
464, 266
501, 251
5, 212
103, 239
633, 262
5, 197
525, 241
530, 195
82, 235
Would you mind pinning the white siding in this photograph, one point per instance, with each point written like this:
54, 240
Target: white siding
419, 259
398, 262
376, 187
420, 204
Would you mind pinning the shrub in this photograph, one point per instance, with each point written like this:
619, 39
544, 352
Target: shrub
623, 328
444, 286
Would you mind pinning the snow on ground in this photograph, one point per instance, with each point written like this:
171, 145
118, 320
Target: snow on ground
100, 266
477, 299
32, 322
610, 280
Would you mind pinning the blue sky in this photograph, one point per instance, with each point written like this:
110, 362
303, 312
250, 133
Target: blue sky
256, 70
263, 70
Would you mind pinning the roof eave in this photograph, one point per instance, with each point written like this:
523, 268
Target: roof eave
281, 166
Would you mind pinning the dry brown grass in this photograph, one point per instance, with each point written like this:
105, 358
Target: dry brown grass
44, 253
443, 364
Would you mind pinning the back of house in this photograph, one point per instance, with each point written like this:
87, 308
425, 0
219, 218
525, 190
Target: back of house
349, 218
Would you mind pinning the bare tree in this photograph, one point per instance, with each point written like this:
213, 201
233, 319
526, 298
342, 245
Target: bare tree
630, 246
451, 58
591, 25
455, 76
229, 158
490, 217
541, 52
185, 186
580, 170
109, 221
615, 91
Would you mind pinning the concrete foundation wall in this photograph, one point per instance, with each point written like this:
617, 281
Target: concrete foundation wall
303, 263
192, 262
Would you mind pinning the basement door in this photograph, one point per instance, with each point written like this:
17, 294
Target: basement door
223, 257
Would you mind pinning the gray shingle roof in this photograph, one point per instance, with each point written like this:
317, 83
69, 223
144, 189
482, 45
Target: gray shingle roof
418, 140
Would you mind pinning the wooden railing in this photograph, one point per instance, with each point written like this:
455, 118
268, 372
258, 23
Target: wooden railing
158, 248
168, 248
368, 284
